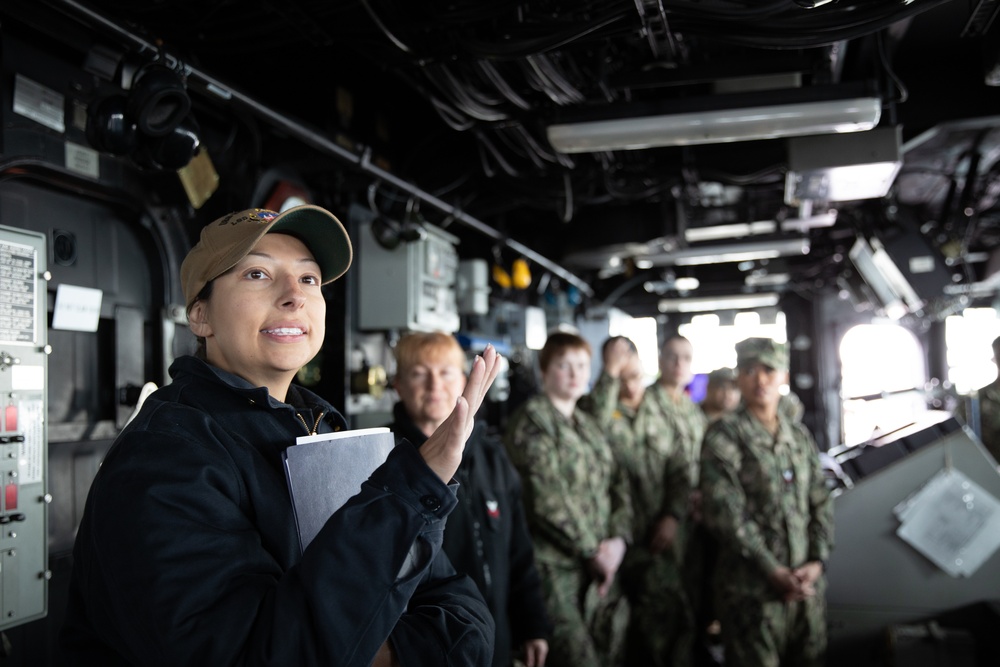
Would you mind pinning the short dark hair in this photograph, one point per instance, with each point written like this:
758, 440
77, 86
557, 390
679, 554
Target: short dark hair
557, 344
612, 339
673, 337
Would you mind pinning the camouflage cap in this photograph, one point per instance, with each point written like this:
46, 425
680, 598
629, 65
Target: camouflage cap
720, 375
764, 351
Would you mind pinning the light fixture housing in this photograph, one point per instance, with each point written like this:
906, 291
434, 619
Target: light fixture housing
731, 252
759, 227
723, 119
835, 168
879, 271
715, 303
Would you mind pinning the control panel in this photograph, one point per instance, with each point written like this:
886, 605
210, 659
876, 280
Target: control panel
24, 497
411, 286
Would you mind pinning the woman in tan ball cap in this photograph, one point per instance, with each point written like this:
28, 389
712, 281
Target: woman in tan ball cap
187, 552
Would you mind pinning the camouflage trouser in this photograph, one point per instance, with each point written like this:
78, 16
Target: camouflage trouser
588, 631
773, 633
661, 630
699, 567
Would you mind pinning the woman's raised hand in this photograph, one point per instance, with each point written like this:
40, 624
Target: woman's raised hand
443, 450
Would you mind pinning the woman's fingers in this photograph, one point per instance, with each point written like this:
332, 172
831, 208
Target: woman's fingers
484, 371
443, 450
491, 358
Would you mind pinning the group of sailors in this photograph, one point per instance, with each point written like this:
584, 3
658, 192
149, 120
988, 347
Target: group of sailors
631, 501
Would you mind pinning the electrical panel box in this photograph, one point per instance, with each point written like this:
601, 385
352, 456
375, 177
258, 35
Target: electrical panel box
24, 499
409, 287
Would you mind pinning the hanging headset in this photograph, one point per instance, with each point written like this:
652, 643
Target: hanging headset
151, 124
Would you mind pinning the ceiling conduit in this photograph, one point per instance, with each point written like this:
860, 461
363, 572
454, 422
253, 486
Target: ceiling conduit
362, 161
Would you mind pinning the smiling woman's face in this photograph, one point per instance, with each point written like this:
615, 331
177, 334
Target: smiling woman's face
266, 317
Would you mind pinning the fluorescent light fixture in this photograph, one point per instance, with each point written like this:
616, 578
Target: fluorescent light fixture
686, 284
767, 279
732, 252
733, 231
884, 278
804, 224
744, 229
733, 302
715, 126
682, 284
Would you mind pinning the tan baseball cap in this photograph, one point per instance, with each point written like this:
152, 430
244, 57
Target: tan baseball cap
229, 239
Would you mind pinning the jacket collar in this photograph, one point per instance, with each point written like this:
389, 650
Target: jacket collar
298, 397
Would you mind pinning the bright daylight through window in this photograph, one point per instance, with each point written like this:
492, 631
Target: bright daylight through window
882, 379
969, 338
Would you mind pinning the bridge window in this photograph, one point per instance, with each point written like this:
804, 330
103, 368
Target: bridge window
882, 378
969, 339
714, 343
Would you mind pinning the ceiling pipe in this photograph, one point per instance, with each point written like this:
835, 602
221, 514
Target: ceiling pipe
312, 138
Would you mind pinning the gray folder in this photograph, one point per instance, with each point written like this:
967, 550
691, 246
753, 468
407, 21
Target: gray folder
325, 470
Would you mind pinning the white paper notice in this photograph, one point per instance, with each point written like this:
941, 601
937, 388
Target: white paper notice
952, 521
77, 308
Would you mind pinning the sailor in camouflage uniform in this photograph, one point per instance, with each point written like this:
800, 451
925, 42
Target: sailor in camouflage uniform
989, 410
631, 388
614, 401
602, 401
722, 396
576, 503
766, 504
663, 492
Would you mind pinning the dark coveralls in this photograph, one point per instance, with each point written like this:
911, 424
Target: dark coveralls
487, 537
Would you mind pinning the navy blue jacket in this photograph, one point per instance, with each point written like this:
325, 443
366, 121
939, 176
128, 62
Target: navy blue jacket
187, 552
487, 537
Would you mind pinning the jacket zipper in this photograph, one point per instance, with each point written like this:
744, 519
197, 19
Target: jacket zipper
311, 431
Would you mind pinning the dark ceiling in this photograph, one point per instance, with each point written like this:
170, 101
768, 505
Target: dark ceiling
455, 97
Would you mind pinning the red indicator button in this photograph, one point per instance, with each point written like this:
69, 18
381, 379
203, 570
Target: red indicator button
10, 497
10, 418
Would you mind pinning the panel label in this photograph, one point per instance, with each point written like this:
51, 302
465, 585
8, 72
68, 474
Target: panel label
18, 297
